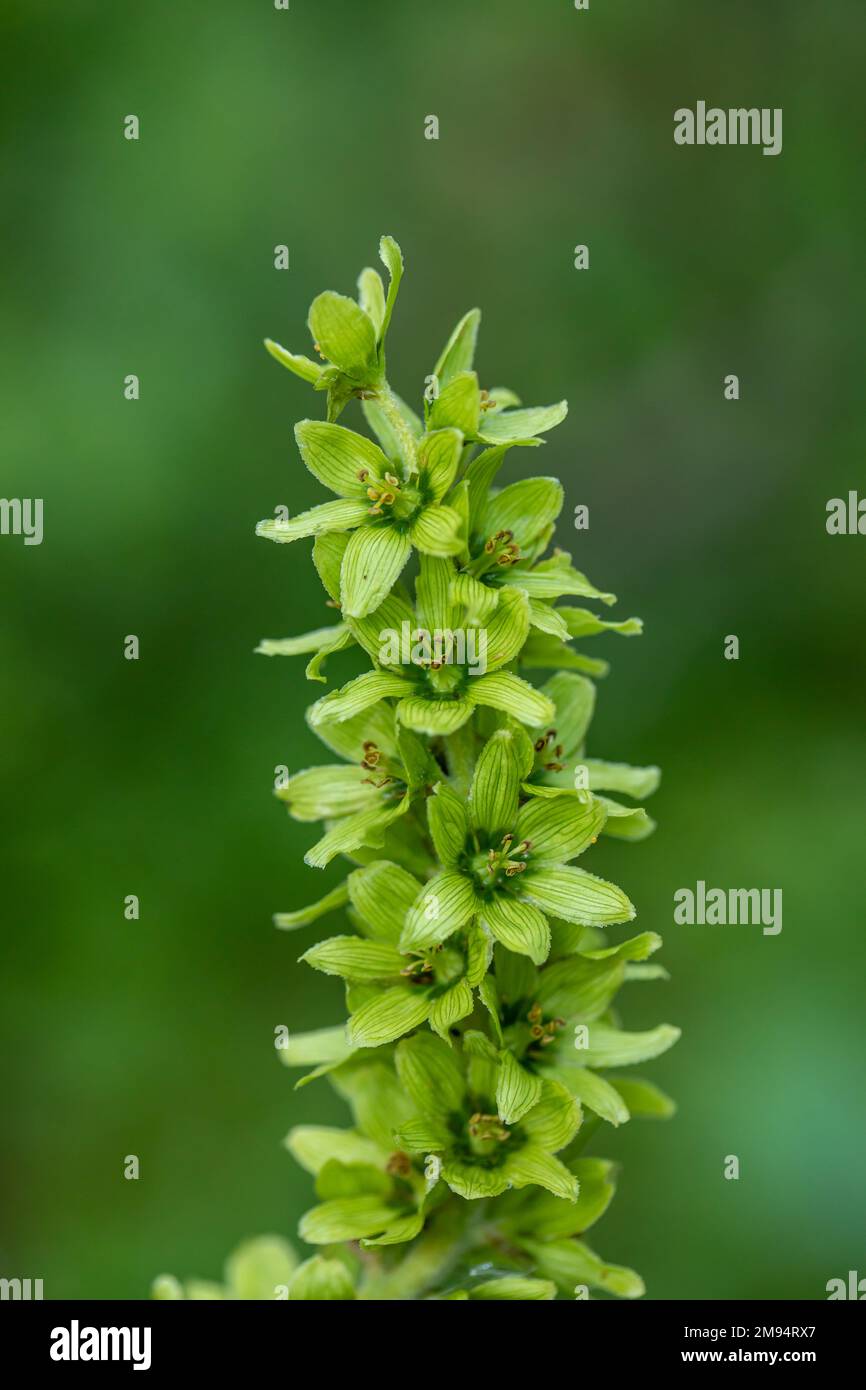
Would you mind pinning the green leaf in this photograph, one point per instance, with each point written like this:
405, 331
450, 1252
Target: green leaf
382, 894
554, 1121
259, 1268
517, 1091
576, 896
303, 916
371, 297
446, 818
345, 1218
437, 531
387, 1016
517, 925
392, 258
323, 1281
355, 959
507, 692
340, 515
559, 829
438, 460
301, 366
644, 1099
458, 405
344, 334
444, 905
372, 564
430, 1074
356, 696
534, 1166
510, 425
449, 1008
342, 460
312, 1146
458, 353
495, 786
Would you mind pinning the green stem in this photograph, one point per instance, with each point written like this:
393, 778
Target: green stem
390, 408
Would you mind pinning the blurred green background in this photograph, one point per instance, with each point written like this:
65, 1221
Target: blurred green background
305, 127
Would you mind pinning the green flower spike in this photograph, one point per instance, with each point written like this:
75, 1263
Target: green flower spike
481, 1050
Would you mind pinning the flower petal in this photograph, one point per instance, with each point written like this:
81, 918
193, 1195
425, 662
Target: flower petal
458, 404
344, 334
534, 1166
559, 829
446, 818
437, 530
505, 691
353, 958
576, 896
340, 515
507, 426
430, 716
518, 925
372, 564
336, 456
438, 461
318, 793
430, 1074
496, 785
517, 1090
356, 696
444, 905
387, 1016
382, 894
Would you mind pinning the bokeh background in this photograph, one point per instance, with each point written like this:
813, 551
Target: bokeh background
305, 127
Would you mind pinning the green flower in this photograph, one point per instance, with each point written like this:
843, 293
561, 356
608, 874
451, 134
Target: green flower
507, 864
387, 512
389, 990
559, 752
557, 1023
364, 801
349, 336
